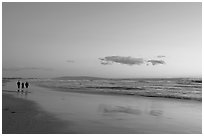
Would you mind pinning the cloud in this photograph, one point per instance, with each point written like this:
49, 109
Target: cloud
121, 60
108, 60
156, 62
70, 61
25, 68
161, 56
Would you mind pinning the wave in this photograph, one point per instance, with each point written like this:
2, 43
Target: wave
164, 89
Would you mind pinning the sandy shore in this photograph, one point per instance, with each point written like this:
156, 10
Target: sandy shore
66, 112
21, 116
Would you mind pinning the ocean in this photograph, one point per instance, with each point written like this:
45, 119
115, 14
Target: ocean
175, 88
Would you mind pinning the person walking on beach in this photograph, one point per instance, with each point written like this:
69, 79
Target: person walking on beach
22, 86
18, 85
26, 85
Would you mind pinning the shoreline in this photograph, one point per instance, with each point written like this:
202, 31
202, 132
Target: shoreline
20, 116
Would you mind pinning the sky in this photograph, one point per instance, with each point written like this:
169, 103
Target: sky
113, 40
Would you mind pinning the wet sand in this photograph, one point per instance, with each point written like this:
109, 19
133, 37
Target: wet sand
20, 116
92, 113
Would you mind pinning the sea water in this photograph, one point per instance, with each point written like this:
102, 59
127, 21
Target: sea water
179, 88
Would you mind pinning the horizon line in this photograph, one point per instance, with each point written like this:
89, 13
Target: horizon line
98, 77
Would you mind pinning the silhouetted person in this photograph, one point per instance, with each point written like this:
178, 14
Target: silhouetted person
22, 86
26, 84
18, 85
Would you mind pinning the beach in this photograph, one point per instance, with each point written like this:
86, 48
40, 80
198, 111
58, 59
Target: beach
25, 117
102, 67
83, 113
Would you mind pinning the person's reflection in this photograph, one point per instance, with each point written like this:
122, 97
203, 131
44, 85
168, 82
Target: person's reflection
25, 95
17, 94
22, 95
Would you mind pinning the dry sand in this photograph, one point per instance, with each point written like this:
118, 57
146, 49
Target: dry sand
21, 116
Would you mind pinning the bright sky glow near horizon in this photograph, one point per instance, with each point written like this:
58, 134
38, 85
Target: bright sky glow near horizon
114, 40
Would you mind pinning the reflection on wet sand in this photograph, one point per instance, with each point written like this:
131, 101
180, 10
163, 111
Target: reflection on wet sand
156, 109
23, 95
112, 109
156, 112
118, 109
